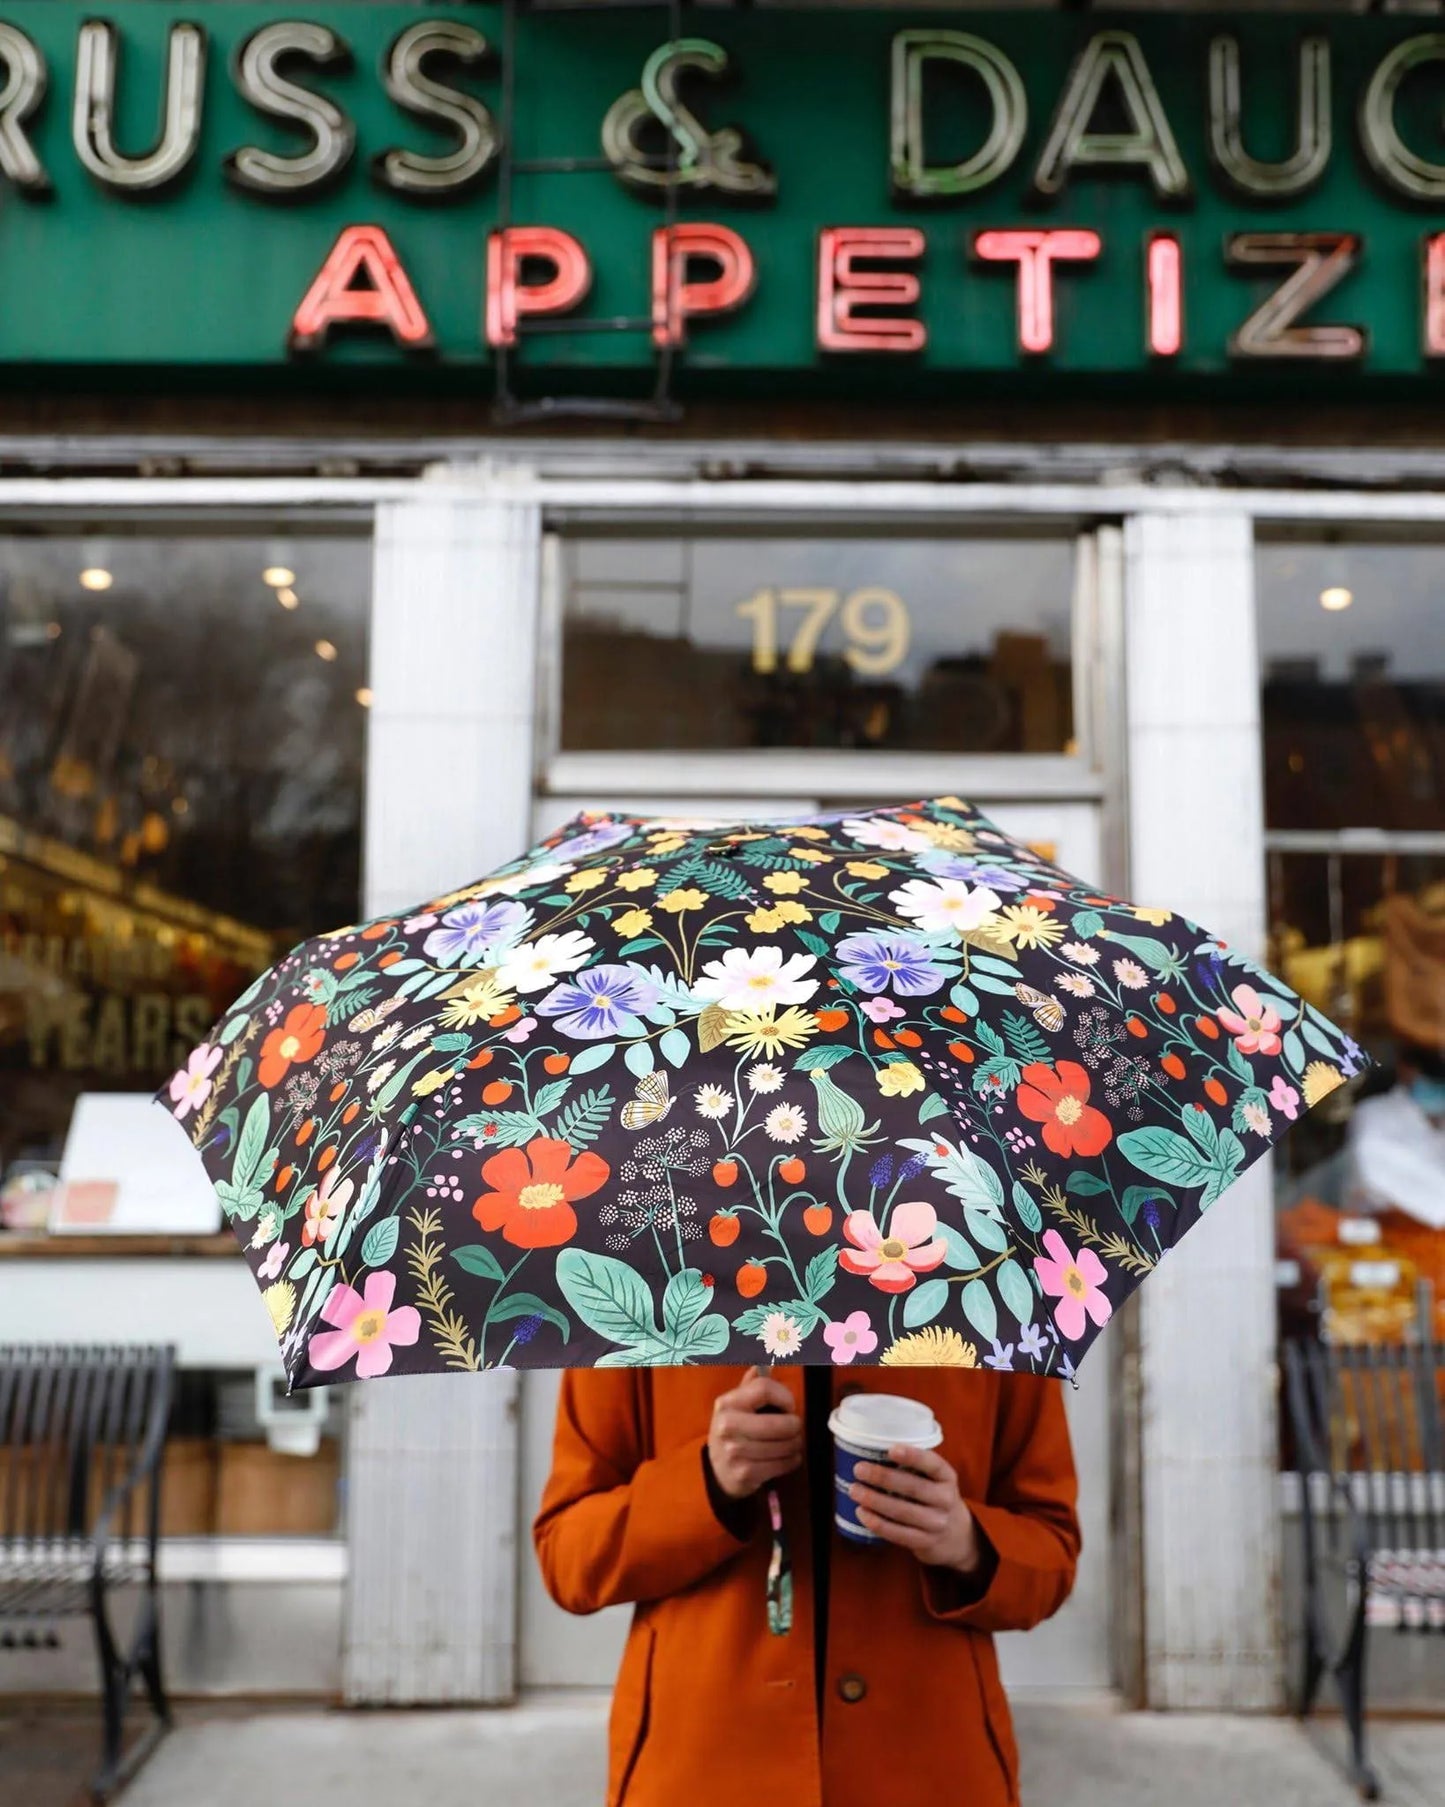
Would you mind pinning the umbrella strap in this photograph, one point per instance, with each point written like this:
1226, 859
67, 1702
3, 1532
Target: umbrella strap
780, 1572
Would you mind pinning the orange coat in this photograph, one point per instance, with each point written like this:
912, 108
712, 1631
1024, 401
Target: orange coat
712, 1710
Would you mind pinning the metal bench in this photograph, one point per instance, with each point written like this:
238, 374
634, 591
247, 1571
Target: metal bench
1367, 1423
82, 1431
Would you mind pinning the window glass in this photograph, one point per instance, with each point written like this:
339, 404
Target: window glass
719, 642
182, 726
1352, 642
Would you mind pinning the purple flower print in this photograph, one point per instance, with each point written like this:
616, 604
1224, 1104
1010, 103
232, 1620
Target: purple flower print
1002, 1358
592, 841
1032, 1343
959, 865
467, 932
903, 963
603, 1001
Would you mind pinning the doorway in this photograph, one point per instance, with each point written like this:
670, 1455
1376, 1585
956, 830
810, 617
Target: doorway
754, 672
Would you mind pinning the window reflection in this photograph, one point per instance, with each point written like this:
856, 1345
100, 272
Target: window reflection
936, 644
181, 748
1352, 642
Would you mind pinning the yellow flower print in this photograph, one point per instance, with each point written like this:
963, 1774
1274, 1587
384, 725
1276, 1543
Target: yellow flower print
1151, 913
638, 880
1320, 1080
432, 1082
763, 1032
632, 922
766, 921
476, 999
280, 1301
945, 835
899, 1078
677, 901
588, 880
1026, 925
807, 832
786, 884
931, 1348
813, 856
867, 869
667, 843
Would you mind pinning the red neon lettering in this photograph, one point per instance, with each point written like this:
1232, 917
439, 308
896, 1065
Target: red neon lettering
509, 298
1036, 253
844, 289
677, 297
362, 283
1434, 333
1164, 289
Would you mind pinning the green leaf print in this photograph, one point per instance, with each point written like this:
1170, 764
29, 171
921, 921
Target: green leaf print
251, 1145
923, 1304
1029, 1214
528, 1305
379, 1244
584, 1119
1016, 1292
608, 1296
684, 1301
477, 1258
980, 1310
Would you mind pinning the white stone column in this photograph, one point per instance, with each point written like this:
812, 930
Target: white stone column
431, 1516
1207, 1361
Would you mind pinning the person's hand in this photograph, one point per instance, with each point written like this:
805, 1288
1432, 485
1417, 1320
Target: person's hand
917, 1504
755, 1437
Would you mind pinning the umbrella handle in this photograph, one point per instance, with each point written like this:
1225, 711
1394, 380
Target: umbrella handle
780, 1572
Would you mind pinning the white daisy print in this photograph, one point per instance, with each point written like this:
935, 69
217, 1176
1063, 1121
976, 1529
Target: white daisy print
765, 1077
1075, 984
786, 1123
534, 965
893, 837
781, 1334
712, 1102
1130, 973
1080, 953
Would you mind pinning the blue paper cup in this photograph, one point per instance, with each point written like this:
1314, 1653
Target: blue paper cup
865, 1427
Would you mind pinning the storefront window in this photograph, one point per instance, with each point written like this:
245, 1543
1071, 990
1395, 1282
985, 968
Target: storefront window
862, 641
182, 725
1352, 641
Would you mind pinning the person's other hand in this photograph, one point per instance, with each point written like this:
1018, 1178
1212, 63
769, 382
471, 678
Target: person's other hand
917, 1504
756, 1436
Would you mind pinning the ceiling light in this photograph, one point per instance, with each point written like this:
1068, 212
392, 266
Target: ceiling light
278, 576
363, 696
325, 650
287, 597
96, 577
1336, 597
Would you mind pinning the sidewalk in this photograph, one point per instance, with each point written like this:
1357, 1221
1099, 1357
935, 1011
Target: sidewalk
550, 1750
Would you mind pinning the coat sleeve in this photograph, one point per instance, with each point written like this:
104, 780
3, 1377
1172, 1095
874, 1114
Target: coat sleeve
616, 1522
1028, 1520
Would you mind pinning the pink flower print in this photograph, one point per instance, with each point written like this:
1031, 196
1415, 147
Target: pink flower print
1075, 1281
366, 1327
191, 1087
1254, 1024
850, 1336
882, 1010
324, 1208
275, 1260
521, 1029
1284, 1097
893, 1262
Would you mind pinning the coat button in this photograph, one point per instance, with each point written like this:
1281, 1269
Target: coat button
852, 1687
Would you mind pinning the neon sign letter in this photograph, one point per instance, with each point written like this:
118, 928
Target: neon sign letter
1164, 295
1319, 260
509, 298
362, 283
92, 121
912, 174
1036, 253
844, 288
678, 297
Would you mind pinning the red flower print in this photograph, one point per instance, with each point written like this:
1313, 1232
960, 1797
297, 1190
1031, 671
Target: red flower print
533, 1190
298, 1040
1058, 1097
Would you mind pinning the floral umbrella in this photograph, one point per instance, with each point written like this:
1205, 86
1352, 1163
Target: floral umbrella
877, 1087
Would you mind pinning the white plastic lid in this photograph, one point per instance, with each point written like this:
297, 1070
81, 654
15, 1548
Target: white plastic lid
883, 1419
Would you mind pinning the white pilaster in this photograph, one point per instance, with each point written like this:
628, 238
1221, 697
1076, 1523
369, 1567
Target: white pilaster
432, 1487
1211, 1533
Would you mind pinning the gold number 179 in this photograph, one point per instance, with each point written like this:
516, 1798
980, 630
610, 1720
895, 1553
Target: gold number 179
874, 621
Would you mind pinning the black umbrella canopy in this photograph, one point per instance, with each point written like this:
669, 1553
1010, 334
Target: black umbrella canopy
881, 1087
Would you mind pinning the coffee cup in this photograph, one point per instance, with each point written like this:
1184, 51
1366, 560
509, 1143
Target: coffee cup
865, 1427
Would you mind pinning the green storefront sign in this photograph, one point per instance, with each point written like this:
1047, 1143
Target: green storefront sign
822, 200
